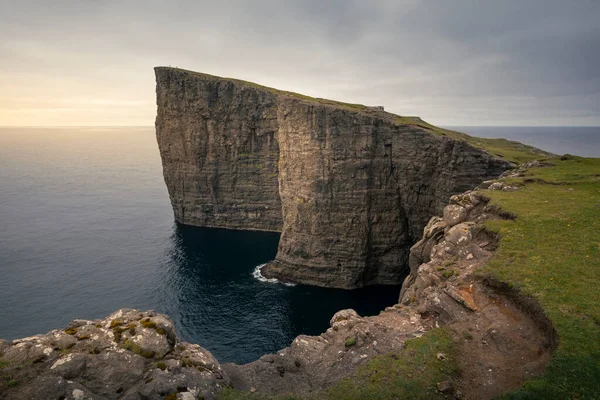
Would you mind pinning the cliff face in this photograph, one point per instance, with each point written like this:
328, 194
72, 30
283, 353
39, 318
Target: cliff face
219, 149
350, 188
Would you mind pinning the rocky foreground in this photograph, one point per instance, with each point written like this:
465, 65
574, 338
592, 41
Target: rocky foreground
503, 339
127, 355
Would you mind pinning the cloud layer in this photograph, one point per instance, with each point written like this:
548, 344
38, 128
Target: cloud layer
507, 62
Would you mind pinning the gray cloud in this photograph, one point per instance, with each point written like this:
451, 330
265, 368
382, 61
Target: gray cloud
461, 62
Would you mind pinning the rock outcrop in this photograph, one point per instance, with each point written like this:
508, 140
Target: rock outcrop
127, 355
350, 187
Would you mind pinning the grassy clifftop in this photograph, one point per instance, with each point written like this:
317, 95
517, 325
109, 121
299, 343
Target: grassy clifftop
501, 148
551, 252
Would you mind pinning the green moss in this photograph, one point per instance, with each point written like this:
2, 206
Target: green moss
160, 331
11, 383
449, 273
172, 396
350, 342
116, 322
449, 262
71, 331
147, 323
551, 252
148, 354
83, 337
131, 327
118, 332
161, 365
129, 345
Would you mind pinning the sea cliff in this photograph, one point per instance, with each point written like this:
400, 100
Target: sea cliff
350, 187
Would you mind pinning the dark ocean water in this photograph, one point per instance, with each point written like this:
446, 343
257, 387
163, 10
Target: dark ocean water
86, 227
577, 140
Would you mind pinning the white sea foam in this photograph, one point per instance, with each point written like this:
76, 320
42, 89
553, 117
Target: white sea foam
257, 275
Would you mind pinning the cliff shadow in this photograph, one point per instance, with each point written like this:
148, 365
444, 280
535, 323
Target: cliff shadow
207, 287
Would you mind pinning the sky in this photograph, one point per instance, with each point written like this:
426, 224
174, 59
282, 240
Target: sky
453, 63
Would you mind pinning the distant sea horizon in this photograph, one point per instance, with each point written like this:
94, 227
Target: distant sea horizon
579, 140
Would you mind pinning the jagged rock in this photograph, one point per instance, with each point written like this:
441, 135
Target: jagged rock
454, 214
344, 318
460, 234
116, 357
70, 366
237, 155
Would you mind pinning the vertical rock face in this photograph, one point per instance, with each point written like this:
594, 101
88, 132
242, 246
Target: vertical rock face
219, 149
348, 186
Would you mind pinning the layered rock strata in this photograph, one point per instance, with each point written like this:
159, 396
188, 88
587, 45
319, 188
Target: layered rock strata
349, 187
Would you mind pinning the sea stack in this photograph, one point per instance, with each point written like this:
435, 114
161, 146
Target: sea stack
349, 187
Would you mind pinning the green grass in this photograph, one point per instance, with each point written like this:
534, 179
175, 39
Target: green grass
508, 150
412, 373
552, 252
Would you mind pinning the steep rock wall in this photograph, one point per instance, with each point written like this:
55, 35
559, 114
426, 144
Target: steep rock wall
350, 188
219, 151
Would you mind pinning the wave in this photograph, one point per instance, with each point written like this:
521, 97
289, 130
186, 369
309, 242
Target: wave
257, 275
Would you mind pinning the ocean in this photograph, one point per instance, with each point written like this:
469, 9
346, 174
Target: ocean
576, 140
86, 228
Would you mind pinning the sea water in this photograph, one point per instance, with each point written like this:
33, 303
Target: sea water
86, 228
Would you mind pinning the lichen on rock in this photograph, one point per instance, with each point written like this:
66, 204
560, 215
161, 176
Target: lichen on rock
105, 360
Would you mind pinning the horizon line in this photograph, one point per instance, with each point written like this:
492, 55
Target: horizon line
440, 125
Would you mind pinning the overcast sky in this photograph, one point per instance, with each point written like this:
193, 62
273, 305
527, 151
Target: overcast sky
459, 62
